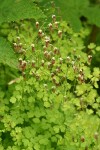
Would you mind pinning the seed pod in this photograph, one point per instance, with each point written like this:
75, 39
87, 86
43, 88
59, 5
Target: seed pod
81, 72
53, 88
81, 78
18, 38
44, 48
65, 97
37, 24
74, 50
42, 62
33, 73
45, 53
40, 33
53, 60
50, 26
52, 4
56, 51
96, 135
56, 24
82, 139
45, 85
51, 53
20, 61
33, 63
49, 65
79, 57
47, 43
73, 62
15, 46
54, 18
23, 65
60, 33
61, 60
22, 51
33, 47
52, 74
57, 70
68, 58
89, 58
75, 68
20, 45
48, 56
37, 76
53, 79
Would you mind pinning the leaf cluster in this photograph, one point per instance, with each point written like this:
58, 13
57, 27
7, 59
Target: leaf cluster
54, 103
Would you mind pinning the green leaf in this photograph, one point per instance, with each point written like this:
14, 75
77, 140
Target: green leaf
14, 10
7, 55
56, 129
43, 141
89, 111
47, 104
96, 72
91, 46
98, 48
36, 120
25, 142
36, 146
13, 100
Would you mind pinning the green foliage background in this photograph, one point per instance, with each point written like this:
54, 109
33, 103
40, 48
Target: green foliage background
38, 111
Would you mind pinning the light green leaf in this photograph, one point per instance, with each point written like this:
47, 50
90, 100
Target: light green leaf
98, 48
13, 100
47, 104
96, 72
91, 46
